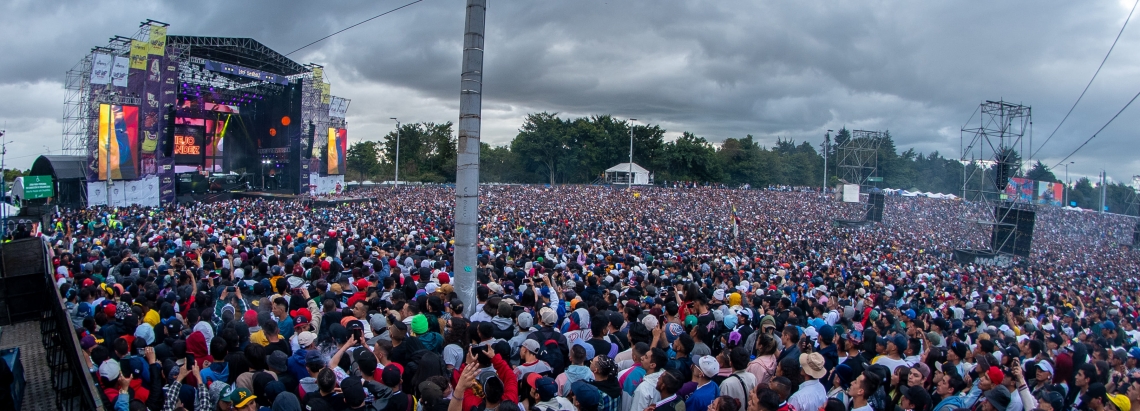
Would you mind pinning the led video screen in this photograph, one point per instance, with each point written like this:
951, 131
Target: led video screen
118, 142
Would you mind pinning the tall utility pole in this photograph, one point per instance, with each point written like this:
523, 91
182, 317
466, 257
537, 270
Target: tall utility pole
629, 177
467, 157
826, 146
1103, 181
4, 188
397, 151
1068, 185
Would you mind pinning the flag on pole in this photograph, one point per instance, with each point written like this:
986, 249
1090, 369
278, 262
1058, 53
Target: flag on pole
735, 222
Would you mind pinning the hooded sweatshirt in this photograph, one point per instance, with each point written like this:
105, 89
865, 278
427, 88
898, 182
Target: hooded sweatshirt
573, 373
286, 401
504, 328
308, 385
297, 364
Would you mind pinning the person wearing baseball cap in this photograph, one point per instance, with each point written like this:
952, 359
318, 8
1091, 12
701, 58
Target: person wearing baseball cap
243, 400
545, 390
530, 363
914, 398
703, 371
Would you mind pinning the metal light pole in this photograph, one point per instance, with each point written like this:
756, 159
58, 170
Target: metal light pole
826, 145
629, 177
467, 155
1068, 184
3, 189
397, 151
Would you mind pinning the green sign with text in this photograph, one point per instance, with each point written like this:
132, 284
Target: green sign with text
37, 187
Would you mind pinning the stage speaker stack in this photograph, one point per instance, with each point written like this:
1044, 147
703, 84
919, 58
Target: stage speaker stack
1136, 235
168, 133
1014, 232
875, 211
23, 281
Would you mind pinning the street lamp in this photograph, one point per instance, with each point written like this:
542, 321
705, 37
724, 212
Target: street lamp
629, 177
1068, 183
826, 144
397, 150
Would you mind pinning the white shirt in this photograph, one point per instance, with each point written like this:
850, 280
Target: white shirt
646, 393
810, 396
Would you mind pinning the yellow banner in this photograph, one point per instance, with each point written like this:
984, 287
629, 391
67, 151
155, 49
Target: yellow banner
326, 93
157, 40
318, 73
333, 153
139, 51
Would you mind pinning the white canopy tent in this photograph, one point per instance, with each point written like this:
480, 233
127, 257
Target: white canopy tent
619, 174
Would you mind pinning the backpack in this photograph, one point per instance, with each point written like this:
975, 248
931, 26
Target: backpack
552, 355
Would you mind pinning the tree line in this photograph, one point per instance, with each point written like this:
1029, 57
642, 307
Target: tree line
550, 149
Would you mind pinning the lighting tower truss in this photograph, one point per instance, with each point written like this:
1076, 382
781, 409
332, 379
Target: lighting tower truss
81, 99
859, 157
314, 110
991, 150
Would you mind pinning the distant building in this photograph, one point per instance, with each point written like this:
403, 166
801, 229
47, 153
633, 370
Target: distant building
620, 174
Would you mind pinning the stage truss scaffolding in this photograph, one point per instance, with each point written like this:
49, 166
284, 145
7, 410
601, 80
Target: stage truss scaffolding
859, 157
991, 150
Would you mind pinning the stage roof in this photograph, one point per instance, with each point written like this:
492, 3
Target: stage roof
61, 167
245, 52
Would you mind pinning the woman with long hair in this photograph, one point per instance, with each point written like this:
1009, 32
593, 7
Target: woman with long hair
899, 379
455, 344
764, 366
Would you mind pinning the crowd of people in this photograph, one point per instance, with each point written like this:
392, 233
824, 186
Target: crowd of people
596, 299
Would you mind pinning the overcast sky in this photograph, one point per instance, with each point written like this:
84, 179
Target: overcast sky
719, 69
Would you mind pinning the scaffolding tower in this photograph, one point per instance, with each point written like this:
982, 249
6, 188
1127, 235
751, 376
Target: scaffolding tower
991, 150
859, 157
81, 99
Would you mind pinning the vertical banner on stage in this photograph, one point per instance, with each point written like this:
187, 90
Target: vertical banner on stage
157, 44
318, 74
337, 145
119, 70
326, 93
101, 68
153, 109
166, 181
139, 51
118, 142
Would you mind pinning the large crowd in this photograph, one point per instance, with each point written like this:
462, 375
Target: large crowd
597, 299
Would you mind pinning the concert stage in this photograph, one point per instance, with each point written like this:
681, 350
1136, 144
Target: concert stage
150, 109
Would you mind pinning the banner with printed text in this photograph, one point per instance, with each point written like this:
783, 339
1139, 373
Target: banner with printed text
101, 68
157, 44
139, 51
120, 70
326, 93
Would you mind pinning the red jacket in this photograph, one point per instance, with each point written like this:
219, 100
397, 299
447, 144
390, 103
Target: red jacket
139, 392
505, 373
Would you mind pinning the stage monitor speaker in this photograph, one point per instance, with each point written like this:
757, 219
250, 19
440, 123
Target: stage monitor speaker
875, 211
1014, 232
168, 135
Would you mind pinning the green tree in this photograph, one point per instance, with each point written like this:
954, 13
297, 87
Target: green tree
427, 151
541, 145
1041, 172
364, 158
692, 158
